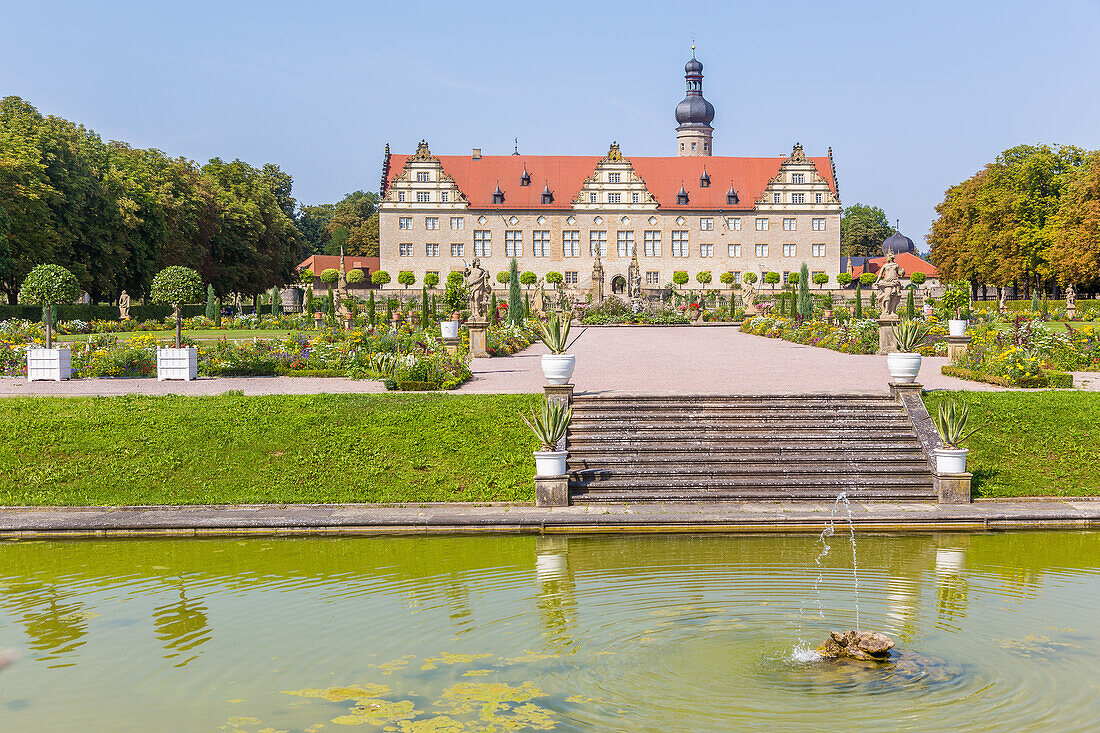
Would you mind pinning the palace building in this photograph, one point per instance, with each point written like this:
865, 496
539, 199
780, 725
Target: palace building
692, 212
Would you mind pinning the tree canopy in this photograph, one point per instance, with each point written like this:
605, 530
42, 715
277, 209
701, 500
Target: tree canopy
863, 229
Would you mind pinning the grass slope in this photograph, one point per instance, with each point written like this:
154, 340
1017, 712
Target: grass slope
282, 449
1031, 443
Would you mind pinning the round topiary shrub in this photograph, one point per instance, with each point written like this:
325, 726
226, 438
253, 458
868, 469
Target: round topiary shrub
528, 278
703, 277
820, 278
455, 277
554, 277
750, 277
918, 278
305, 276
726, 278
330, 275
431, 279
503, 277
355, 276
176, 285
679, 277
844, 279
406, 278
771, 278
49, 285
380, 278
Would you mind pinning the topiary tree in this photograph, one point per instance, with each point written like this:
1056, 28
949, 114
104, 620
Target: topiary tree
355, 276
555, 278
726, 278
406, 278
176, 285
792, 278
211, 306
844, 279
528, 278
771, 278
867, 278
493, 308
910, 306
820, 278
431, 280
679, 278
703, 278
372, 310
857, 312
455, 297
805, 302
275, 309
515, 298
503, 277
47, 286
306, 276
918, 278
330, 276
425, 307
750, 277
380, 278
456, 276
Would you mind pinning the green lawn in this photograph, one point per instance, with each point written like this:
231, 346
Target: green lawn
283, 449
210, 334
1032, 443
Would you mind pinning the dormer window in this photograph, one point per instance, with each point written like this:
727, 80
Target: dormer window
704, 180
525, 179
498, 195
547, 196
682, 196
731, 195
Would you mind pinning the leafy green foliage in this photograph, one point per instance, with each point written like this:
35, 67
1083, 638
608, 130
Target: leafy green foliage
380, 278
821, 278
329, 275
680, 277
305, 276
805, 302
528, 278
548, 421
867, 278
750, 277
211, 303
49, 285
726, 278
554, 277
771, 278
515, 298
355, 276
175, 285
406, 278
844, 279
863, 229
703, 277
918, 278
503, 276
431, 279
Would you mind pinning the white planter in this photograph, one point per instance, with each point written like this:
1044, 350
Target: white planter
956, 328
927, 310
173, 363
550, 463
903, 366
49, 364
558, 368
950, 460
449, 329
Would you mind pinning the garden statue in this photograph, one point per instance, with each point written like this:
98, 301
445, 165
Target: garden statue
477, 281
1071, 301
888, 288
124, 306
541, 304
748, 298
1001, 299
238, 309
342, 287
634, 279
597, 278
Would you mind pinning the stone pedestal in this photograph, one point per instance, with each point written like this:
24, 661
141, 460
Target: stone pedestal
953, 488
551, 491
451, 345
1071, 312
957, 346
559, 393
478, 338
886, 340
899, 390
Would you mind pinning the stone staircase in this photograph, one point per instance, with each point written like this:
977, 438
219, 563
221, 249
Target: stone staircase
696, 448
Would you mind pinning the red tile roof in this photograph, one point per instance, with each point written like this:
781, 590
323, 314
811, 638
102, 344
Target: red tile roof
317, 263
908, 262
565, 175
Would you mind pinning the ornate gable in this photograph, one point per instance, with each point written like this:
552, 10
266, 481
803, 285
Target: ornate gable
423, 184
797, 186
614, 185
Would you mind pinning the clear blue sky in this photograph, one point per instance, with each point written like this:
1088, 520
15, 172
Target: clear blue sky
913, 97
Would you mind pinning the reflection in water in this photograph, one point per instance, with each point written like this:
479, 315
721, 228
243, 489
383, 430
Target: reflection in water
951, 586
55, 627
556, 602
181, 626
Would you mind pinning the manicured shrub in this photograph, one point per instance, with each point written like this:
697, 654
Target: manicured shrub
515, 299
750, 277
771, 278
211, 306
918, 278
805, 302
820, 278
679, 277
406, 278
372, 310
844, 279
857, 311
703, 277
867, 278
554, 277
306, 276
726, 278
47, 286
455, 277
330, 275
355, 276
431, 279
528, 278
502, 277
176, 285
380, 278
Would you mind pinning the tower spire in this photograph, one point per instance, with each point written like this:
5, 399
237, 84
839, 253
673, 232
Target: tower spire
694, 114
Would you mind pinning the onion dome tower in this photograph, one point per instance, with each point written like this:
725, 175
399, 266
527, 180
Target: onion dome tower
897, 243
694, 114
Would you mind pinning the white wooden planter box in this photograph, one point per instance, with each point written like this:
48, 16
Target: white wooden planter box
49, 364
175, 363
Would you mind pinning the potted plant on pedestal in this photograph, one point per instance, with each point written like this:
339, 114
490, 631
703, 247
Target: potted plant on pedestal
557, 366
455, 298
956, 297
49, 285
904, 364
549, 424
177, 285
950, 420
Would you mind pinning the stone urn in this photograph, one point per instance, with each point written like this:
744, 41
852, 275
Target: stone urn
449, 329
903, 366
695, 314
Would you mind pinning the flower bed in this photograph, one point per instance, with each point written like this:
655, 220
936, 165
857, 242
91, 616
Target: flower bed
1046, 378
1026, 354
615, 311
853, 337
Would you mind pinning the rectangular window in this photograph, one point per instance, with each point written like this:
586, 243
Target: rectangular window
734, 223
737, 278
513, 243
652, 277
571, 243
788, 224
401, 196
458, 222
597, 242
761, 250
592, 198
422, 176
786, 277
706, 250
614, 198
788, 250
458, 249
817, 250
626, 243
431, 249
818, 225
761, 225
634, 198
798, 198
444, 196
613, 177
423, 197
817, 198
570, 277
706, 224
405, 222
431, 222
798, 178
735, 250
652, 243
679, 243
776, 198
483, 243
540, 243
405, 249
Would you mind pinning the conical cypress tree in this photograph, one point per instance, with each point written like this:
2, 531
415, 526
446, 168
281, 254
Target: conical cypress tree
218, 313
910, 306
526, 305
1035, 300
805, 302
210, 307
515, 299
389, 311
425, 307
372, 310
330, 305
274, 301
857, 313
493, 308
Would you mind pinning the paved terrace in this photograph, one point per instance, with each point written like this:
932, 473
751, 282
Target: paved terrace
760, 516
666, 360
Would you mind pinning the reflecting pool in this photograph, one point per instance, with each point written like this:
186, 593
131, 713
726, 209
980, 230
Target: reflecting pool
664, 633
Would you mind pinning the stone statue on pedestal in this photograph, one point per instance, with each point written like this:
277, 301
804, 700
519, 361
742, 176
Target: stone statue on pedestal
888, 288
1071, 301
634, 280
541, 304
124, 306
477, 281
1002, 298
748, 298
597, 279
342, 288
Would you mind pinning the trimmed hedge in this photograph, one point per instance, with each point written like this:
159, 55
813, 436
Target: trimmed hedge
1058, 380
89, 312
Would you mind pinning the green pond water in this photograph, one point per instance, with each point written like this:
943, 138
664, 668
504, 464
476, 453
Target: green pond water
662, 633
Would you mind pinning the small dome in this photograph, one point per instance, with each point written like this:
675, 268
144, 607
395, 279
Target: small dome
693, 67
898, 243
694, 111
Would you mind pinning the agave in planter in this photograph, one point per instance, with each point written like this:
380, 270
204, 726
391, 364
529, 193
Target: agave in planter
904, 364
557, 366
950, 420
549, 424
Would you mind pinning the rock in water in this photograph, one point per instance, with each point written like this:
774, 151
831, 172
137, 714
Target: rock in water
865, 646
874, 643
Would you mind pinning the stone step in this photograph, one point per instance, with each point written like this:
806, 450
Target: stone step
855, 493
648, 399
839, 455
586, 425
776, 482
582, 471
690, 413
690, 439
